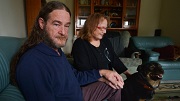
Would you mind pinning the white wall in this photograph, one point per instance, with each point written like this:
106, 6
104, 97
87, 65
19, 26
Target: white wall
12, 19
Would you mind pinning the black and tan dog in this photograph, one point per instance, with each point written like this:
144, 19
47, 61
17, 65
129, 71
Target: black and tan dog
141, 85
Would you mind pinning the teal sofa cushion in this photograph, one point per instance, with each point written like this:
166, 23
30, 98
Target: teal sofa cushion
4, 72
11, 93
8, 47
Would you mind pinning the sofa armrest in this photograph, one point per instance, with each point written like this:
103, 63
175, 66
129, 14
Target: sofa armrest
152, 56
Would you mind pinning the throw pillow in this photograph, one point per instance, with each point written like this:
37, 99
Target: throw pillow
169, 52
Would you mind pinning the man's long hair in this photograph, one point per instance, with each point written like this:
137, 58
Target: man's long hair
36, 35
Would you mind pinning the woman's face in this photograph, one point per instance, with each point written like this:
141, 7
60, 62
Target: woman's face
100, 30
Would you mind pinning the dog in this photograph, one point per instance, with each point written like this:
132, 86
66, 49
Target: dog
141, 85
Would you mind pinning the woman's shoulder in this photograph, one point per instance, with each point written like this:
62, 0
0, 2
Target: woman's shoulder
78, 41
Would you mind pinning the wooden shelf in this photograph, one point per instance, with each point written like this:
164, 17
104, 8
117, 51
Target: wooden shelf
124, 13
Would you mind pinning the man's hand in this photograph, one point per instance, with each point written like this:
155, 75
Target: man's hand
112, 78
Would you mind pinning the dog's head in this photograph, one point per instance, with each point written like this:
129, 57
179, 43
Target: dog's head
152, 69
153, 72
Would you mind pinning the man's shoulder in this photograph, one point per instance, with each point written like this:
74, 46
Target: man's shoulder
30, 53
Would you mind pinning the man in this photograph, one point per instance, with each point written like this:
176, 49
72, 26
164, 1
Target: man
42, 72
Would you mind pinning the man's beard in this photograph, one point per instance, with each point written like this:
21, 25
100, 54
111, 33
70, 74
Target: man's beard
49, 41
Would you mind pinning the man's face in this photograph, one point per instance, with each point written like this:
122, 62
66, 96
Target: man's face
56, 28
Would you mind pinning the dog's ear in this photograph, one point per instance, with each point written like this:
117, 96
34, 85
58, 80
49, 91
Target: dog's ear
142, 69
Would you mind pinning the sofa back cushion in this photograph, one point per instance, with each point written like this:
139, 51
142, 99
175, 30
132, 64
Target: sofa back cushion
149, 42
8, 47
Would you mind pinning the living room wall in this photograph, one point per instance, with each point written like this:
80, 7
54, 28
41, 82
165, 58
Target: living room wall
170, 19
154, 14
149, 17
12, 20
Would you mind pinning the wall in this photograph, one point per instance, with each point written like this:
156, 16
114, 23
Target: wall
149, 17
170, 19
12, 20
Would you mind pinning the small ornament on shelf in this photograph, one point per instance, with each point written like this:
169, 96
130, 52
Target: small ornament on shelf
103, 2
86, 2
81, 2
106, 2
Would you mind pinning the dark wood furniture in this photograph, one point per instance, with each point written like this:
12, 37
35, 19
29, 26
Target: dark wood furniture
32, 8
124, 14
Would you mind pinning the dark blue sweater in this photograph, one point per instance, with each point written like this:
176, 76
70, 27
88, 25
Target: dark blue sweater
43, 75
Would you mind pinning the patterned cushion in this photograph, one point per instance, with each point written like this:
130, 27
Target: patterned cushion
131, 64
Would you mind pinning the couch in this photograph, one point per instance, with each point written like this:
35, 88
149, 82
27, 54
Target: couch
160, 49
8, 47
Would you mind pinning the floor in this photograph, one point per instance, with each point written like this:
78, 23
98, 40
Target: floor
167, 92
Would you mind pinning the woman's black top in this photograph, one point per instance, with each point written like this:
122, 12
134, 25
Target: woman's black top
86, 56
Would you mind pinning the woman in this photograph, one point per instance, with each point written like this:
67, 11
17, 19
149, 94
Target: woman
93, 51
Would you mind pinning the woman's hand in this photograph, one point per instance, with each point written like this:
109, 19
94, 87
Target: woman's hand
112, 78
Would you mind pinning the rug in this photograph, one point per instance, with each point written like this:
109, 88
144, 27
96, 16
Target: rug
167, 92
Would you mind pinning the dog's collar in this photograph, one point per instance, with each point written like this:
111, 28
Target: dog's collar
148, 87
